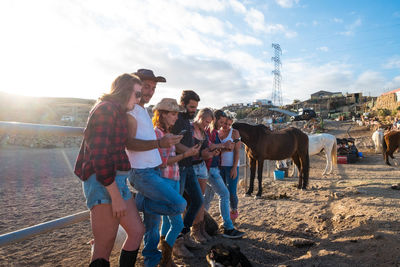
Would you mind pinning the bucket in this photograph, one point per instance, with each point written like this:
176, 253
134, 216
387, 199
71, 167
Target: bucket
285, 170
342, 159
360, 155
279, 175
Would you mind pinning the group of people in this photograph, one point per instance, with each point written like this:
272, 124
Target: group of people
176, 161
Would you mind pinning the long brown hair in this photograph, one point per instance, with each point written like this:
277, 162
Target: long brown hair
157, 120
217, 115
121, 89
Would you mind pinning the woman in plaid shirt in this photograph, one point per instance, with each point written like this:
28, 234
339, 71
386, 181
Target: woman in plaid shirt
165, 116
103, 167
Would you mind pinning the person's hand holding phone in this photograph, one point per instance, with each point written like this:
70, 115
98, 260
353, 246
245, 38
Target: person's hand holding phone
193, 151
169, 140
228, 145
182, 132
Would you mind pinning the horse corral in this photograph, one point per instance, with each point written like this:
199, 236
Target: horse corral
348, 218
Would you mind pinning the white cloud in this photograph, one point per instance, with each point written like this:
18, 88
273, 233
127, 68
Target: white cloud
237, 6
255, 19
241, 39
369, 80
350, 28
392, 63
337, 20
286, 3
356, 24
393, 84
323, 48
347, 33
301, 79
206, 5
301, 24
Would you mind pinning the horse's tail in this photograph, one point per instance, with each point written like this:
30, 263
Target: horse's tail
384, 147
334, 152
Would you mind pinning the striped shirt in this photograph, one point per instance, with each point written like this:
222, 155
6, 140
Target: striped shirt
167, 171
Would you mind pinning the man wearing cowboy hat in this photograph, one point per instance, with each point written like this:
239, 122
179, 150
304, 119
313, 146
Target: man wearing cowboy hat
155, 196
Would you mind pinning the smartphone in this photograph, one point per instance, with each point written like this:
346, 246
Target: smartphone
236, 140
216, 148
182, 132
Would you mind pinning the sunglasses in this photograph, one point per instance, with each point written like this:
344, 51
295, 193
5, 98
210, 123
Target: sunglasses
138, 94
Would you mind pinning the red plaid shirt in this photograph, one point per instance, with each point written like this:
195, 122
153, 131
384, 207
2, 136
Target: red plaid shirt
167, 171
103, 146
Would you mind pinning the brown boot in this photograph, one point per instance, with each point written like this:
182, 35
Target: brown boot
196, 233
166, 258
159, 247
204, 232
180, 250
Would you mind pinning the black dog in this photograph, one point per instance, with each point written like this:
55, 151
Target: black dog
221, 255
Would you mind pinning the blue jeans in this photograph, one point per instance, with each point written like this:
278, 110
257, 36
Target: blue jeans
231, 184
96, 193
216, 184
151, 238
190, 184
172, 225
156, 197
200, 170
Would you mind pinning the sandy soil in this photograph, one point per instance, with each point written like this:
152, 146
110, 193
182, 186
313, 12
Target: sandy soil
350, 218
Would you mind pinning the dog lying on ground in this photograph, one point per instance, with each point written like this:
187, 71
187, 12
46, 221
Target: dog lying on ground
221, 255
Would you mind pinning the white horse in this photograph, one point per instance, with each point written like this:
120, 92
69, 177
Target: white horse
322, 142
377, 138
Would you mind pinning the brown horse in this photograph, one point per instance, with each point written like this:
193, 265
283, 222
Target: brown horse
391, 142
263, 144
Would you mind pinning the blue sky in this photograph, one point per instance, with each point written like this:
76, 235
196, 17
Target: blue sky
219, 48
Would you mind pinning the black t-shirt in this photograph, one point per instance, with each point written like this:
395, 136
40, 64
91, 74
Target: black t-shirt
181, 123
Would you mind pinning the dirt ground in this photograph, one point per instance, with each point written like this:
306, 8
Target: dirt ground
349, 218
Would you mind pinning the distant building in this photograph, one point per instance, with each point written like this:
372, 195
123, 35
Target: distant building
389, 100
263, 102
68, 118
354, 98
325, 94
396, 92
237, 105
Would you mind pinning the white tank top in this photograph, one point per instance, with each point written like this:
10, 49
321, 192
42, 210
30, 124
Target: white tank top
144, 131
227, 157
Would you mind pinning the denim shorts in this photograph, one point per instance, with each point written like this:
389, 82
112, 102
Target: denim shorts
200, 170
96, 193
